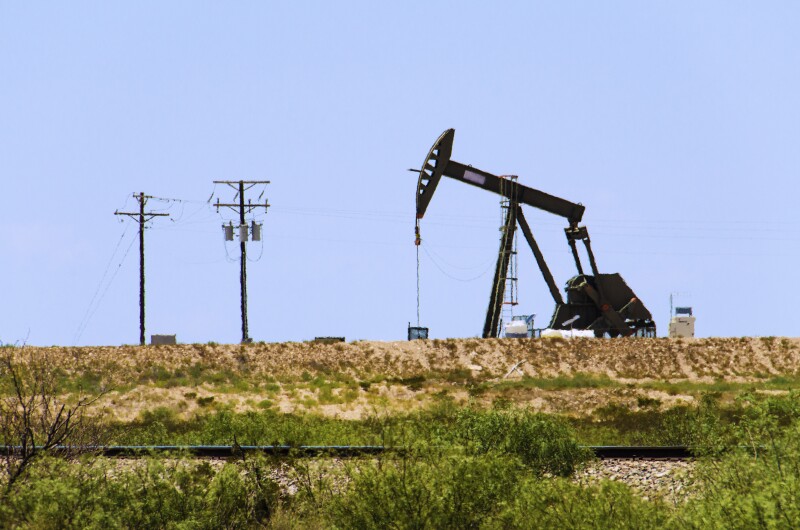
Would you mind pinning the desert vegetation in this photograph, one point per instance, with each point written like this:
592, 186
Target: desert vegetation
478, 445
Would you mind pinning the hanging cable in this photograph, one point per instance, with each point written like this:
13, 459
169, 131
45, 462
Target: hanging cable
417, 242
260, 254
465, 280
228, 257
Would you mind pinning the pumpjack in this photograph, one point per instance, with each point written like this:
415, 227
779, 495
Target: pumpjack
600, 302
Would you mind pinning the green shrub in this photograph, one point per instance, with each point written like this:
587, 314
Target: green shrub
645, 402
543, 443
205, 401
704, 427
220, 427
414, 382
425, 490
756, 485
153, 493
156, 374
559, 503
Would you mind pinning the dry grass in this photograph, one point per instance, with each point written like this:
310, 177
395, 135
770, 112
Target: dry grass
350, 380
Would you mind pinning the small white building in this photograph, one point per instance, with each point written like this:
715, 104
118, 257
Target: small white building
682, 323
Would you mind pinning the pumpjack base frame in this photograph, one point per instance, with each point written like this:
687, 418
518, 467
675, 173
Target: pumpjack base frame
604, 304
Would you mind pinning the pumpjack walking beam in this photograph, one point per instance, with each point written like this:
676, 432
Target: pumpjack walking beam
594, 305
438, 164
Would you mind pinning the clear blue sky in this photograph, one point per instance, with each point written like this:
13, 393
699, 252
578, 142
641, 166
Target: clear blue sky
677, 125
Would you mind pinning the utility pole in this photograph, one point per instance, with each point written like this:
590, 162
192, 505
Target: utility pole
142, 217
241, 186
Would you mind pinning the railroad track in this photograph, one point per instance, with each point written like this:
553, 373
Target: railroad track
678, 452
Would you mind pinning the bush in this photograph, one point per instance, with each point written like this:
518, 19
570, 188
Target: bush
153, 493
224, 427
704, 427
543, 443
559, 503
756, 485
425, 490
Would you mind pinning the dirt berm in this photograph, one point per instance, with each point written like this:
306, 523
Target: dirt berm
737, 359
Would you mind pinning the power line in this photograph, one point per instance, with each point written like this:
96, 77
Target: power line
465, 280
85, 320
439, 257
105, 290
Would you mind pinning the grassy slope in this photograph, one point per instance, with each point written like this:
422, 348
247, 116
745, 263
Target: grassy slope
359, 379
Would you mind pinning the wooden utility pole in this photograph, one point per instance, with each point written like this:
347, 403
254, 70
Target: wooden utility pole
142, 217
241, 208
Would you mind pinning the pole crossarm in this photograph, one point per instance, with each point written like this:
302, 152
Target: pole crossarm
248, 207
239, 184
149, 215
141, 217
242, 208
232, 182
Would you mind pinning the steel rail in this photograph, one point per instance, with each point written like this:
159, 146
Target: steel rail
230, 451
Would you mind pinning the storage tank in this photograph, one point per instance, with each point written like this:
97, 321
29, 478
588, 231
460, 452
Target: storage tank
516, 329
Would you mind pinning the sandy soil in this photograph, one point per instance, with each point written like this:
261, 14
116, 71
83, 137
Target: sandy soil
441, 363
621, 359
